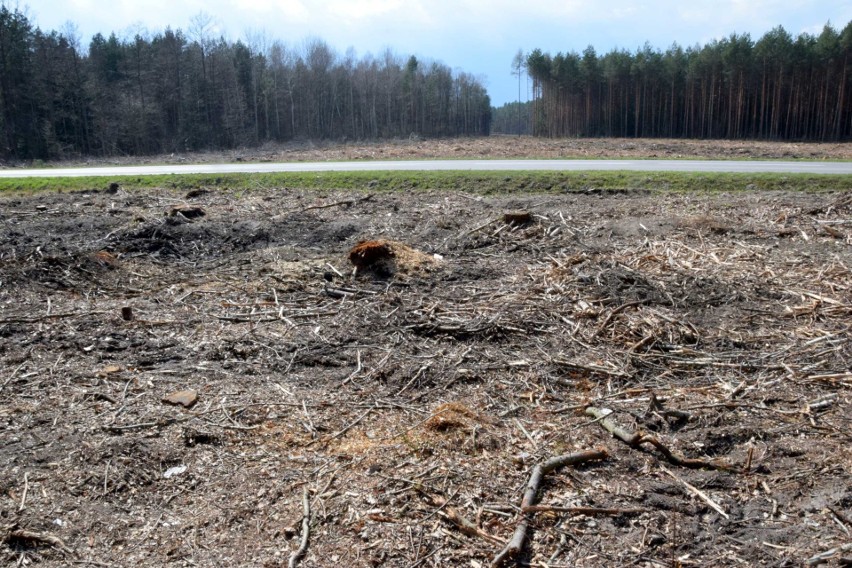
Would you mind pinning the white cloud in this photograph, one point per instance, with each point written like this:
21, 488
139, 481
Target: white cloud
289, 10
366, 9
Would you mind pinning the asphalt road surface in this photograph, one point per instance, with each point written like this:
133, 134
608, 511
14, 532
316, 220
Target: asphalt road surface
725, 166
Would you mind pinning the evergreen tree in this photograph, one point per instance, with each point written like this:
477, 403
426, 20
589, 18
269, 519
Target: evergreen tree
175, 92
779, 87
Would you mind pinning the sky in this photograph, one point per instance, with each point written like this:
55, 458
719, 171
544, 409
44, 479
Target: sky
476, 36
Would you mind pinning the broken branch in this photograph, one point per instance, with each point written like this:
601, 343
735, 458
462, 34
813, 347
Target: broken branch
697, 492
37, 538
306, 531
636, 439
462, 523
516, 544
589, 511
824, 557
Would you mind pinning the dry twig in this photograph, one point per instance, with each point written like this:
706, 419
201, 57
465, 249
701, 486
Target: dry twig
306, 531
636, 439
36, 538
460, 521
516, 544
589, 511
824, 557
697, 492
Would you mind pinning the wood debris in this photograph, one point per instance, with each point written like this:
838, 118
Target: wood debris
185, 398
414, 407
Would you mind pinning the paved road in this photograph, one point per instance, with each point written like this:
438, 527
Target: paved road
454, 165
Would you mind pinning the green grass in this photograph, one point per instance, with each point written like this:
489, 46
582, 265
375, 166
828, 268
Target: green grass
474, 182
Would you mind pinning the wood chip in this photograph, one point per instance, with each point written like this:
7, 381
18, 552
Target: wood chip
185, 398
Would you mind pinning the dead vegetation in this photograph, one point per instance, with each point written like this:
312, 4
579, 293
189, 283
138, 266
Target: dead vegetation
604, 380
507, 147
383, 258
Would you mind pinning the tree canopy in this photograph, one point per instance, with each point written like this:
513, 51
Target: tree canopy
174, 92
778, 87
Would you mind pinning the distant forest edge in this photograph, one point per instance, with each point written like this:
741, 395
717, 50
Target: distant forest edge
176, 92
512, 118
778, 88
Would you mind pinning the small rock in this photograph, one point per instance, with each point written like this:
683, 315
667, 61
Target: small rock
185, 398
172, 471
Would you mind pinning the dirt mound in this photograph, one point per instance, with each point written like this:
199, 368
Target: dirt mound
385, 258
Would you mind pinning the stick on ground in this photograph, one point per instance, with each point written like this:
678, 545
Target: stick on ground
700, 494
306, 532
828, 555
516, 544
36, 538
636, 439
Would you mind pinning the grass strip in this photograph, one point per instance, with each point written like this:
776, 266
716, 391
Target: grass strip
502, 182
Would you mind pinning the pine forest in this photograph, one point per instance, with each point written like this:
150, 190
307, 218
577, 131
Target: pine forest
181, 91
777, 88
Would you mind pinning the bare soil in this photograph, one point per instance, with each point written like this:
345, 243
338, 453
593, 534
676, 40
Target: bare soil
496, 147
403, 400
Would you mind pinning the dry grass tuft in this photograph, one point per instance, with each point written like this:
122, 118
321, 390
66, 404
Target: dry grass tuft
451, 416
705, 223
104, 259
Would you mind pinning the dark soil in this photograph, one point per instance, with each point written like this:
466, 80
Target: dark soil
401, 400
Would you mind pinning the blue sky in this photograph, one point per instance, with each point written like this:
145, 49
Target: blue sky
477, 36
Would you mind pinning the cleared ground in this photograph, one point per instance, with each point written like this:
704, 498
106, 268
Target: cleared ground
410, 402
501, 147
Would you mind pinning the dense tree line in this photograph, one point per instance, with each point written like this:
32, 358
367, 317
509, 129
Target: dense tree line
177, 91
779, 87
512, 118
